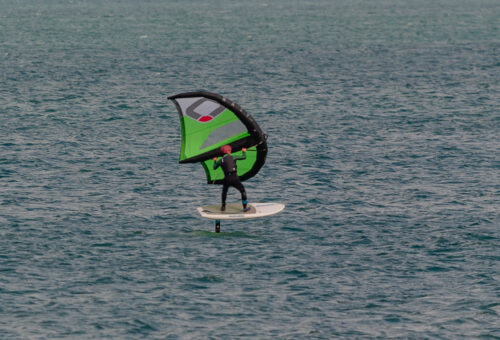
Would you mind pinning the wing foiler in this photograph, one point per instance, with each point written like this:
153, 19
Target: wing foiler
209, 121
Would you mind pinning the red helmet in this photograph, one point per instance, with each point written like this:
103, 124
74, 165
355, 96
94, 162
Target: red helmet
226, 149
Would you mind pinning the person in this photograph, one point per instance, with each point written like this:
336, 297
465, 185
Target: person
231, 179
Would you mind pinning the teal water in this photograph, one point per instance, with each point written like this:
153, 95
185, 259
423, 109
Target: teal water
383, 122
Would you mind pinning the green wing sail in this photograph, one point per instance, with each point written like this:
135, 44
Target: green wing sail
209, 121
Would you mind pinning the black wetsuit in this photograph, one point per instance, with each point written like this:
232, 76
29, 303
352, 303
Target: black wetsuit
231, 179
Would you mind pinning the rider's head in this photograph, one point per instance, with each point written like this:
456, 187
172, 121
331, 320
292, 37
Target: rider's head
226, 149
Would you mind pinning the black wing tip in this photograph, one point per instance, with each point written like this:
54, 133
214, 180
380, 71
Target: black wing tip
194, 94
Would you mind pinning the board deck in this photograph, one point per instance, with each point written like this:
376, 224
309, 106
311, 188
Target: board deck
234, 211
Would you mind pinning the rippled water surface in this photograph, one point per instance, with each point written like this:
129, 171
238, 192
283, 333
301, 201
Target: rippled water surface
383, 121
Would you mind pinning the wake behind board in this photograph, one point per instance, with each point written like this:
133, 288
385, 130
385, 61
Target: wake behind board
234, 211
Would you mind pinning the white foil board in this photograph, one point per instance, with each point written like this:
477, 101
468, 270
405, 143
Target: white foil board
234, 211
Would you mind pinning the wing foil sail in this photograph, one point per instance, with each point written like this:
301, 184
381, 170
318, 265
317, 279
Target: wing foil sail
209, 121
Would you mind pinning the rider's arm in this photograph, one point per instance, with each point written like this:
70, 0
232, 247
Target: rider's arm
243, 155
217, 162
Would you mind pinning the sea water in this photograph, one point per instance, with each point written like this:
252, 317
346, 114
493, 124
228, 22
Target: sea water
383, 120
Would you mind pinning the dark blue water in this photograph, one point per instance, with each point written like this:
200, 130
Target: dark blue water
383, 122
